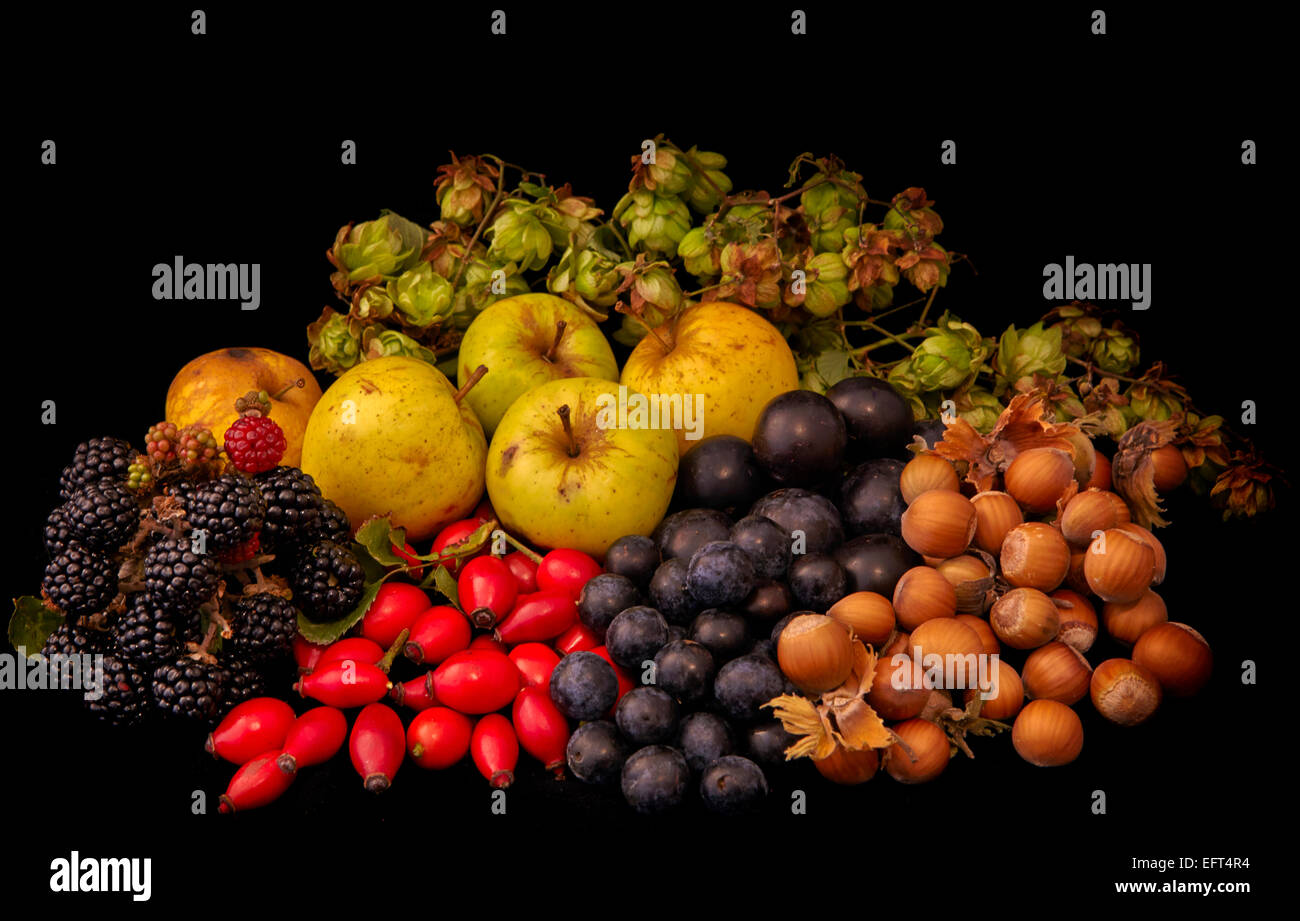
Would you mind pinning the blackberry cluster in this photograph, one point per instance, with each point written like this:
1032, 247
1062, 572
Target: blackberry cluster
264, 627
123, 693
190, 689
327, 580
244, 681
58, 531
95, 460
334, 523
230, 509
79, 580
71, 640
178, 578
102, 515
149, 633
293, 509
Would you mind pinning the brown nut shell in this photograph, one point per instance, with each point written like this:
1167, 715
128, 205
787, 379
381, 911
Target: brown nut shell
1119, 566
1127, 621
996, 513
1125, 692
1177, 655
923, 593
1047, 733
1037, 478
1056, 671
939, 523
1025, 618
1035, 555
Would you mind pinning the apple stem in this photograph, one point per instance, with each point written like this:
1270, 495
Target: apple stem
559, 333
655, 333
299, 383
469, 384
563, 413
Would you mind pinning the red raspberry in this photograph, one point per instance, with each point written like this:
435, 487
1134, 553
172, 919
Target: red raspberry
255, 444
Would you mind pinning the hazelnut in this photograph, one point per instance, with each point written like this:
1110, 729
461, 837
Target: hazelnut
1089, 511
1038, 477
1035, 555
1119, 566
925, 472
1126, 621
1057, 672
1177, 655
921, 594
1047, 733
996, 513
939, 523
868, 614
1124, 692
1078, 620
1025, 618
1008, 694
928, 755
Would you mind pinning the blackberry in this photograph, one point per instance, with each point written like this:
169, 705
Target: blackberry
243, 682
230, 508
103, 515
150, 633
293, 508
94, 460
178, 578
190, 689
80, 580
334, 523
58, 530
123, 691
327, 580
264, 627
71, 640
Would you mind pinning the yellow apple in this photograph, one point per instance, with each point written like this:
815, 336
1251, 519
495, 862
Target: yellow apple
390, 437
733, 359
521, 342
204, 392
585, 486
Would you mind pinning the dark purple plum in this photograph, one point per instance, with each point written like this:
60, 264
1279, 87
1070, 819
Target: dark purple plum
633, 556
635, 635
817, 582
704, 738
800, 510
780, 624
720, 574
875, 562
682, 533
871, 501
684, 669
768, 602
596, 752
767, 544
743, 685
877, 418
733, 785
723, 633
655, 779
669, 594
583, 686
647, 716
603, 598
931, 431
766, 743
799, 439
719, 472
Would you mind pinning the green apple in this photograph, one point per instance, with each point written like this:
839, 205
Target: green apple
562, 473
525, 341
391, 437
727, 357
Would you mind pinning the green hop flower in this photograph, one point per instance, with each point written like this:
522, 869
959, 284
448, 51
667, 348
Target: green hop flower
704, 192
827, 286
592, 274
421, 296
699, 256
1078, 330
385, 247
481, 285
654, 222
380, 343
373, 304
1115, 352
335, 347
830, 209
1151, 404
669, 174
1026, 352
980, 408
520, 236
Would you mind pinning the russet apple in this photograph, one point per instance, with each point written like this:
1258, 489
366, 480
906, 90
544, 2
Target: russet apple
731, 357
204, 392
525, 341
390, 436
561, 473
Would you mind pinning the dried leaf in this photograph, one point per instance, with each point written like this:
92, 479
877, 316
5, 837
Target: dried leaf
859, 726
801, 718
1133, 469
1024, 424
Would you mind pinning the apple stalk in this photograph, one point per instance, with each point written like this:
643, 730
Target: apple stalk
469, 384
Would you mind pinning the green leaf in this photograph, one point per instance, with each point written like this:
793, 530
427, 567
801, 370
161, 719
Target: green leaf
833, 365
446, 584
376, 536
472, 543
324, 633
31, 624
372, 568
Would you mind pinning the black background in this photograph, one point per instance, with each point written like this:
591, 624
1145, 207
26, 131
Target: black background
225, 148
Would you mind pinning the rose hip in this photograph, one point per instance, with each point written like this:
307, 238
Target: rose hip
256, 784
523, 569
409, 554
487, 641
625, 680
345, 684
542, 615
578, 638
416, 694
495, 749
306, 654
395, 608
455, 533
377, 746
486, 590
485, 512
543, 731
250, 729
436, 634
535, 662
567, 571
439, 737
314, 738
476, 681
356, 648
